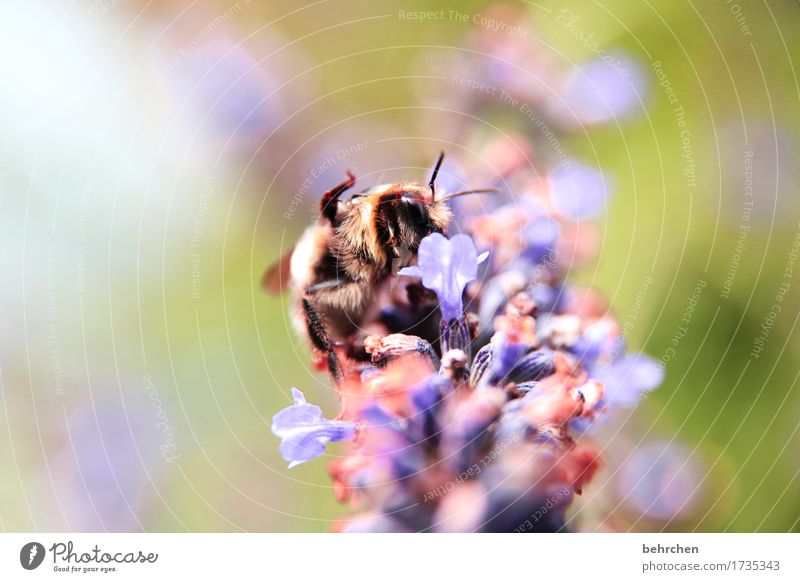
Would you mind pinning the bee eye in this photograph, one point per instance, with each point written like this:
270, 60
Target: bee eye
417, 211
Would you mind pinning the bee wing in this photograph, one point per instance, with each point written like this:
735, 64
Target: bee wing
276, 279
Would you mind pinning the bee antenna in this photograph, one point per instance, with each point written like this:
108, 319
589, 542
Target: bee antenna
432, 183
466, 192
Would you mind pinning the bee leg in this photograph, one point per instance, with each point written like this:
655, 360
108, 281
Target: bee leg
319, 337
332, 284
328, 204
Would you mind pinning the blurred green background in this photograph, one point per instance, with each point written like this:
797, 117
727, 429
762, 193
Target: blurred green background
141, 199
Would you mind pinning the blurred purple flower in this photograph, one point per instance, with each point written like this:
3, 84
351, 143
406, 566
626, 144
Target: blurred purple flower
107, 473
598, 92
551, 299
446, 266
540, 238
304, 432
661, 480
578, 191
505, 355
231, 88
629, 377
597, 342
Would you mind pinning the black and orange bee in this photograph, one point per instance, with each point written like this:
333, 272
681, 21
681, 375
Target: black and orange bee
348, 258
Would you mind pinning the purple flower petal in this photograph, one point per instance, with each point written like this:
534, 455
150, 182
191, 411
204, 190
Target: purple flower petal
599, 92
629, 377
596, 343
304, 432
446, 266
661, 480
540, 238
505, 355
579, 191
551, 299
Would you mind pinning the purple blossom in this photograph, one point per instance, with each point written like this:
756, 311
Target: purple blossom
579, 191
304, 432
661, 480
391, 439
540, 238
105, 476
629, 377
597, 343
533, 366
227, 84
598, 92
503, 361
551, 299
505, 355
446, 266
428, 393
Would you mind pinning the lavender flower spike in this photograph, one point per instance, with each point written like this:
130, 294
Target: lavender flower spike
304, 432
446, 267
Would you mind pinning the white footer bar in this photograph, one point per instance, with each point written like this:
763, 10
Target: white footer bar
406, 558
